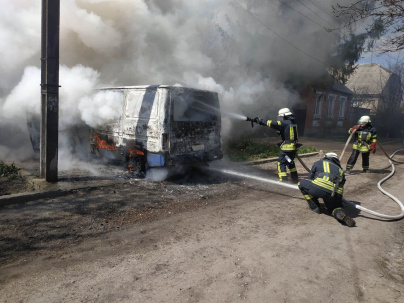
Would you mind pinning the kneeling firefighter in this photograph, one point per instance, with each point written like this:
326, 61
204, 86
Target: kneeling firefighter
365, 141
326, 180
287, 129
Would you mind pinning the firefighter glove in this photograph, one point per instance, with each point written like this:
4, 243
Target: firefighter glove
259, 121
373, 147
355, 127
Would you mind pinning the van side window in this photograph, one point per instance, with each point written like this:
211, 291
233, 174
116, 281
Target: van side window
142, 104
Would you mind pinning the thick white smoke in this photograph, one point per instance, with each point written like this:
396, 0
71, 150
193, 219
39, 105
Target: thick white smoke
211, 44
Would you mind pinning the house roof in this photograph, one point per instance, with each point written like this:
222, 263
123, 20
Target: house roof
368, 79
341, 88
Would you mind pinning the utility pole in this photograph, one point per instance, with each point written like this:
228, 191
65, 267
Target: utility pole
50, 89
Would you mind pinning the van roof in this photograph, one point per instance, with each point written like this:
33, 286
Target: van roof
148, 86
135, 86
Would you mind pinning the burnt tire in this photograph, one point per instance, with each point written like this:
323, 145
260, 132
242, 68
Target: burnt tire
137, 166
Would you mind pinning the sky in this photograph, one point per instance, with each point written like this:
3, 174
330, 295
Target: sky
384, 59
244, 50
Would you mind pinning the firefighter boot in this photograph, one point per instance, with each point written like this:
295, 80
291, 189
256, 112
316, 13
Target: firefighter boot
314, 205
341, 216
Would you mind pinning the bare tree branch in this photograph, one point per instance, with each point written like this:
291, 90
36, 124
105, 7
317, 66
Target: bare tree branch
385, 17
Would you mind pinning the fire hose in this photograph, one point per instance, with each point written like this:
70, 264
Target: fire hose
346, 144
390, 158
302, 163
291, 186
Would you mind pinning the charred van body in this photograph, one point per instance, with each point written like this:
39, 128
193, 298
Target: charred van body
161, 126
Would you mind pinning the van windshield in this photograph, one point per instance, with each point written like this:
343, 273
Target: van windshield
192, 105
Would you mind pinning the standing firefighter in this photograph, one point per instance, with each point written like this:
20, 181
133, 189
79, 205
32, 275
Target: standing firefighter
287, 129
326, 180
365, 141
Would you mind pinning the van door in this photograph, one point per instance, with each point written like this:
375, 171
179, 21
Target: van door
141, 124
195, 126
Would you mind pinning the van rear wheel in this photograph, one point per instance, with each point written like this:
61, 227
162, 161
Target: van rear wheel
137, 166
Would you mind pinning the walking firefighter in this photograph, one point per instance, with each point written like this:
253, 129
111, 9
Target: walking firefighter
287, 129
365, 139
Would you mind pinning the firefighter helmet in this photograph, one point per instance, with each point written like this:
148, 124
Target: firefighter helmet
364, 119
284, 112
331, 156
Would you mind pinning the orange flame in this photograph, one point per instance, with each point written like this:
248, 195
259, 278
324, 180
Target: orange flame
102, 144
135, 151
132, 152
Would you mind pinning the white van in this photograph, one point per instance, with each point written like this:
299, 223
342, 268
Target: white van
160, 126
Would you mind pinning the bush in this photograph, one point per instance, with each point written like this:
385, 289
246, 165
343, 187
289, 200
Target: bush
247, 150
9, 171
306, 149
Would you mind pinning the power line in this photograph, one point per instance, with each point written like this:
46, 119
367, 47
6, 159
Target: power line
301, 13
286, 41
315, 3
313, 11
328, 30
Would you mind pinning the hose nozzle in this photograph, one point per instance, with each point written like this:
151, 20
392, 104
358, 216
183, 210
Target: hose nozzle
252, 121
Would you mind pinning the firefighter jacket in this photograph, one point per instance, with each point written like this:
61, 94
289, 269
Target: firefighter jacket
364, 137
328, 176
287, 129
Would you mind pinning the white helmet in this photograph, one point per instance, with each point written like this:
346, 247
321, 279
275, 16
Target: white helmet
284, 112
364, 119
331, 156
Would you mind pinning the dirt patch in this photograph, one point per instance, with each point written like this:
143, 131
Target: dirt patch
15, 185
203, 237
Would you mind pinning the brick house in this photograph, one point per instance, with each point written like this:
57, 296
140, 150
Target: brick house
324, 112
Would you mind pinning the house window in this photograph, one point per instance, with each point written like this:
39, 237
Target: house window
317, 106
331, 102
341, 111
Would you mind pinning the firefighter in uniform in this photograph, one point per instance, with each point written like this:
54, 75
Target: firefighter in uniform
287, 130
365, 139
326, 180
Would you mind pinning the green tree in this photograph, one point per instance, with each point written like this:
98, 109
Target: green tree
347, 53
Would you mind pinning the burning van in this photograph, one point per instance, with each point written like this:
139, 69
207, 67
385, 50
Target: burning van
161, 126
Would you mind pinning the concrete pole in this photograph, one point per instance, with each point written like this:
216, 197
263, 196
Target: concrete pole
50, 89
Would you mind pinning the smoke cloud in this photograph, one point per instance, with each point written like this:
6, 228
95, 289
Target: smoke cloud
245, 50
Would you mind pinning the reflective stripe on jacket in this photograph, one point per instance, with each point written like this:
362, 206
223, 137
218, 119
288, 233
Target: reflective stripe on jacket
325, 174
364, 137
288, 131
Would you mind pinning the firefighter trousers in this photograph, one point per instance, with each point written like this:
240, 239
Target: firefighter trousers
312, 193
354, 156
286, 160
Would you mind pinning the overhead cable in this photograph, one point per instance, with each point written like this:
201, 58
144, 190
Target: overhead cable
315, 12
279, 36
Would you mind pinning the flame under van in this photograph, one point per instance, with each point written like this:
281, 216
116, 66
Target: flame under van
161, 126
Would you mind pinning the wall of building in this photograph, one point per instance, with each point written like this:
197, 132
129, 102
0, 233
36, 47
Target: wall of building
328, 113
